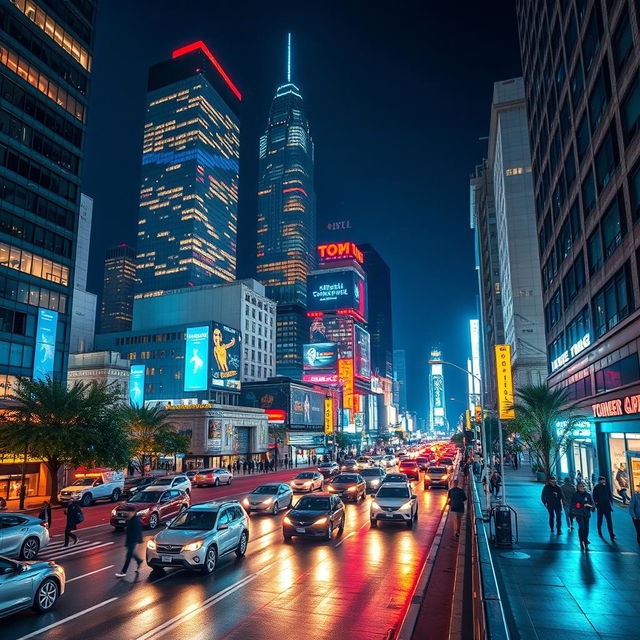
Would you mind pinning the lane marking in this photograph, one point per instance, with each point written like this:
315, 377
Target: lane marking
33, 634
84, 575
353, 533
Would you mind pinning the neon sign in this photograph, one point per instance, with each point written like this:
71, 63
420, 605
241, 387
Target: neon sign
625, 406
571, 352
340, 251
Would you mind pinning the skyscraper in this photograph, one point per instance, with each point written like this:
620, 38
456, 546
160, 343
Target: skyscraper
189, 193
45, 64
287, 219
437, 404
400, 378
116, 307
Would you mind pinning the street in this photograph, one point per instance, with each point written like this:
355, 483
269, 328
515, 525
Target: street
356, 586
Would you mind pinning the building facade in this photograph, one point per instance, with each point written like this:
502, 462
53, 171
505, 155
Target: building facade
583, 98
100, 367
187, 224
116, 306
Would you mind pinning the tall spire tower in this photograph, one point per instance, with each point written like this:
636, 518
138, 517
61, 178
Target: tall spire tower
287, 219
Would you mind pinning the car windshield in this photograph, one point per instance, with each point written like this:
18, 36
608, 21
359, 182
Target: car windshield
205, 471
163, 482
326, 465
195, 520
350, 462
396, 477
393, 492
408, 463
134, 482
344, 478
146, 496
370, 472
266, 488
309, 503
83, 482
437, 470
306, 475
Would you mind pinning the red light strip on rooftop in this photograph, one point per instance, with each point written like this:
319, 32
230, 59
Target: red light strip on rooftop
290, 189
203, 47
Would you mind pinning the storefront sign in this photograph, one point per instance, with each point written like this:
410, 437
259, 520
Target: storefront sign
626, 406
320, 378
328, 415
340, 251
505, 382
174, 407
571, 352
345, 373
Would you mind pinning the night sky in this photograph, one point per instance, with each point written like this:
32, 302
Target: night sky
397, 97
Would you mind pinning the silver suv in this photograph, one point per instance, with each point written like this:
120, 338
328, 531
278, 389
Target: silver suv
22, 536
394, 502
199, 536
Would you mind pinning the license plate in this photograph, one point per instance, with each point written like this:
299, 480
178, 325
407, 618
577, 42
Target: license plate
300, 529
120, 521
166, 559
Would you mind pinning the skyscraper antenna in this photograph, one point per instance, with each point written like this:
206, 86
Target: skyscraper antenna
288, 57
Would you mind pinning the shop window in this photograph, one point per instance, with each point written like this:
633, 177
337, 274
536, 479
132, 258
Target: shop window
619, 471
622, 42
579, 389
619, 374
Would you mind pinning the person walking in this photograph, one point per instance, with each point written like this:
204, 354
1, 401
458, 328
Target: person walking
581, 508
456, 499
74, 518
132, 540
45, 514
622, 478
634, 512
552, 500
568, 489
603, 500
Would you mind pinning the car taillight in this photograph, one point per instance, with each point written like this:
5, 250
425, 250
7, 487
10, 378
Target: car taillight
44, 524
210, 475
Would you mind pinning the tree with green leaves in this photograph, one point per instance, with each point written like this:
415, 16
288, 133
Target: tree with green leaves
63, 426
545, 420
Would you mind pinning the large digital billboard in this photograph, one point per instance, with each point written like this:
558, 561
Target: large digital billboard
45, 355
196, 359
335, 290
337, 329
307, 407
225, 367
320, 356
345, 373
363, 353
136, 385
265, 397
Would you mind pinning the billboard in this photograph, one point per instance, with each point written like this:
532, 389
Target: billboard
320, 378
322, 355
335, 290
505, 382
328, 415
196, 359
136, 385
345, 373
363, 352
225, 367
265, 397
45, 354
336, 329
307, 407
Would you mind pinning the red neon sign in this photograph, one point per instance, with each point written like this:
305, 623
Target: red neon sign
340, 251
315, 314
276, 415
299, 189
203, 47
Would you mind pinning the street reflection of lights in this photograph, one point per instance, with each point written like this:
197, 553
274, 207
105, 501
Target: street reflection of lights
325, 570
285, 577
144, 602
373, 548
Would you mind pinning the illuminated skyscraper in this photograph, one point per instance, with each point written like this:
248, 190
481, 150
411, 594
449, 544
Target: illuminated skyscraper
437, 408
189, 193
116, 307
287, 219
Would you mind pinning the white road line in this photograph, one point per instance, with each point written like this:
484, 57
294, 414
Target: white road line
33, 634
84, 575
93, 526
60, 545
73, 553
343, 539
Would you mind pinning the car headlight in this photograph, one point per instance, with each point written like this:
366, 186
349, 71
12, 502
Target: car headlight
352, 489
406, 506
113, 512
151, 544
332, 488
375, 482
322, 520
444, 477
267, 501
245, 502
193, 546
143, 512
307, 484
375, 506
286, 520
293, 484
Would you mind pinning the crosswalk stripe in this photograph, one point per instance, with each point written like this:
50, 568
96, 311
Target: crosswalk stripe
58, 556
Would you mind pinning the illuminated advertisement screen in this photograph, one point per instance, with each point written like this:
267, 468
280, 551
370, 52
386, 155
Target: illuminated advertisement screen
225, 367
307, 407
45, 354
322, 355
438, 391
265, 397
345, 373
363, 353
336, 290
320, 378
196, 359
136, 385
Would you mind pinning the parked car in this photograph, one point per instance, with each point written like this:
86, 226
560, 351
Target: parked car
349, 465
22, 536
198, 537
152, 507
133, 485
307, 481
436, 477
410, 468
329, 469
212, 477
191, 474
349, 486
318, 515
27, 585
93, 485
373, 478
180, 482
394, 502
269, 498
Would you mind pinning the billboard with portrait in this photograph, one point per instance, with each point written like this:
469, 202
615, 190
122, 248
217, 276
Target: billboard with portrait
320, 356
225, 364
307, 407
136, 385
196, 359
335, 290
363, 353
45, 354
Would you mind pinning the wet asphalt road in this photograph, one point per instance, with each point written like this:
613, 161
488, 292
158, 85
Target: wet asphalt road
355, 587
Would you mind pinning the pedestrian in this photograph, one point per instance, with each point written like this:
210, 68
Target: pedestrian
244, 466
581, 508
456, 499
603, 500
552, 500
634, 512
74, 518
45, 514
132, 540
568, 489
578, 478
516, 461
622, 478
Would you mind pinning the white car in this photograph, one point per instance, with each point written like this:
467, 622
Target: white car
171, 482
389, 461
394, 502
307, 481
92, 486
212, 477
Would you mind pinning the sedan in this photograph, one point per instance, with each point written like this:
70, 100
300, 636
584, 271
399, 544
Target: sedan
422, 462
395, 477
394, 503
212, 477
389, 460
349, 486
349, 465
315, 516
152, 507
373, 478
22, 536
411, 469
268, 498
364, 462
307, 481
180, 482
26, 585
436, 477
329, 469
378, 461
133, 485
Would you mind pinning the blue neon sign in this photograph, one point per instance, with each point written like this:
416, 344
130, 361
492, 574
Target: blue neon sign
136, 385
196, 359
45, 355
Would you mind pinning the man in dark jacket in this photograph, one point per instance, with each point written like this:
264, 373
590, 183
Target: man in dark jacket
456, 500
74, 516
552, 500
132, 540
603, 499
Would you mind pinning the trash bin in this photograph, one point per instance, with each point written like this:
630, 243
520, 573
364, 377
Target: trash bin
503, 532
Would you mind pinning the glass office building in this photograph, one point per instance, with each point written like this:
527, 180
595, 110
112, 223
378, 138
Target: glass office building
187, 225
116, 307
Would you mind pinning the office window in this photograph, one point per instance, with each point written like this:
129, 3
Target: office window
622, 42
613, 227
578, 328
588, 193
582, 136
577, 84
556, 348
569, 169
574, 281
565, 120
591, 41
599, 96
571, 35
634, 192
594, 251
606, 160
620, 373
630, 111
553, 312
613, 302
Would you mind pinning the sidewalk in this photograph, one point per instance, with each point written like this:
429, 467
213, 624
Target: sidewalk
552, 590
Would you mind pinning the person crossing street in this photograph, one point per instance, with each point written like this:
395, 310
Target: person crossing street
132, 540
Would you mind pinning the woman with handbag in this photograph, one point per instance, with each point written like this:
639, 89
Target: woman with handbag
581, 507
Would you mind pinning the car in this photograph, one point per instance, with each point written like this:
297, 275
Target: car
29, 585
191, 474
200, 536
180, 482
364, 462
395, 477
91, 486
394, 502
318, 515
152, 507
436, 477
133, 485
349, 465
373, 478
329, 469
270, 497
348, 486
307, 481
378, 461
410, 468
212, 477
22, 536
389, 460
445, 462
422, 462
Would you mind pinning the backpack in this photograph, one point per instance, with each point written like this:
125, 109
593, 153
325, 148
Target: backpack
79, 516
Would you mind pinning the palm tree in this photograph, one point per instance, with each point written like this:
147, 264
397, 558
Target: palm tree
545, 420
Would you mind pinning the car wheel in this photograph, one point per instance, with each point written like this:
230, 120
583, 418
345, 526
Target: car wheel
287, 537
46, 595
87, 498
341, 527
329, 534
115, 495
410, 524
374, 523
242, 545
30, 548
230, 479
275, 509
153, 521
210, 560
217, 482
